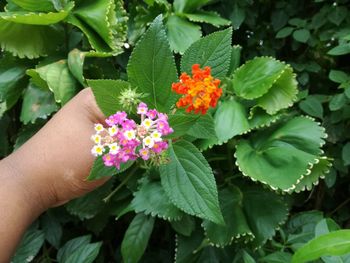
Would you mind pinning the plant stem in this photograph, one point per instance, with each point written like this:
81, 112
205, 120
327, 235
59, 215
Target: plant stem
340, 206
217, 158
230, 159
126, 179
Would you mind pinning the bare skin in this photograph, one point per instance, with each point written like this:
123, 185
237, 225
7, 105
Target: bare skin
48, 170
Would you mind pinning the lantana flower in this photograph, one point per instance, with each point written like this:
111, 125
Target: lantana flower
200, 91
125, 140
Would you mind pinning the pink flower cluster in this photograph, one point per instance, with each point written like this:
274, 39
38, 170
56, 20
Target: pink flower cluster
126, 140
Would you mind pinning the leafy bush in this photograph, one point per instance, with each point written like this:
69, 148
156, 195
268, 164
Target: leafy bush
201, 205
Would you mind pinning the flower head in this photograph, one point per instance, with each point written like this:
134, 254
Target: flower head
147, 123
113, 130
152, 114
130, 134
129, 98
200, 91
97, 150
125, 140
144, 153
148, 141
142, 108
114, 148
96, 138
98, 127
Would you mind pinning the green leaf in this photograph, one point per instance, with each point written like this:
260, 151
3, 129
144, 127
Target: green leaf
281, 155
29, 246
37, 103
91, 204
317, 171
72, 245
338, 14
297, 22
99, 170
312, 106
208, 17
279, 19
52, 229
35, 5
79, 250
331, 178
104, 18
301, 35
259, 118
265, 211
186, 246
106, 92
303, 222
183, 6
11, 81
337, 102
341, 49
346, 154
58, 79
151, 67
247, 258
185, 226
136, 238
76, 62
282, 94
235, 226
338, 76
213, 50
152, 200
332, 244
85, 254
181, 33
203, 128
230, 120
267, 79
181, 123
93, 37
277, 257
256, 77
284, 32
237, 16
235, 59
36, 18
189, 182
40, 40
325, 226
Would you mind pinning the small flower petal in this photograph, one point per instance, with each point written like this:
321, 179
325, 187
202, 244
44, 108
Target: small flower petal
148, 141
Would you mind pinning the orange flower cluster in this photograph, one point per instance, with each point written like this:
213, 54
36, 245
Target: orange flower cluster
200, 92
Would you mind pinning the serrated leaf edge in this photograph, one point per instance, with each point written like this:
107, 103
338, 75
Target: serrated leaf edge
111, 8
278, 77
162, 32
30, 13
246, 237
308, 169
214, 33
153, 214
326, 171
281, 223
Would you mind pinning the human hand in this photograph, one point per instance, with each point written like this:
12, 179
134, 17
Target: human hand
53, 165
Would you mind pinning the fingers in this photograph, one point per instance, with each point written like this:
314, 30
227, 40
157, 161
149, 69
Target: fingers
87, 100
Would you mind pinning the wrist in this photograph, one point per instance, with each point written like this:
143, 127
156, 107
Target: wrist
21, 184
